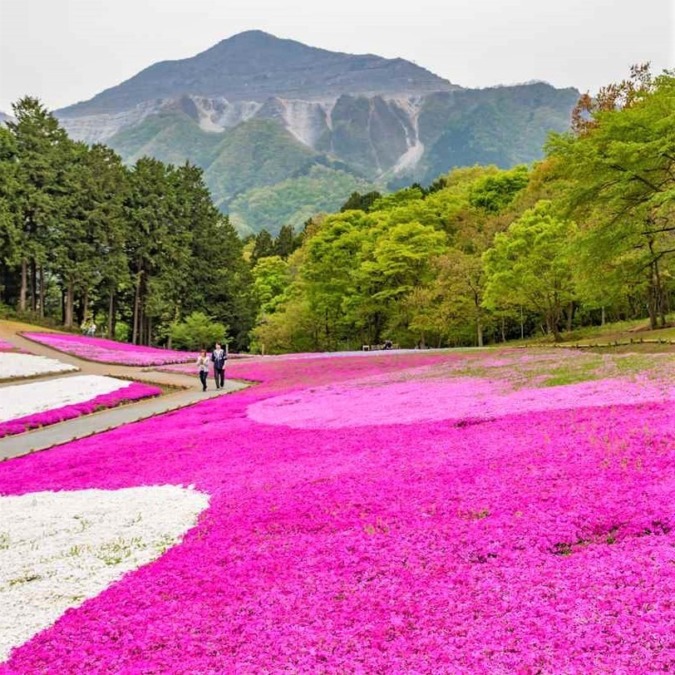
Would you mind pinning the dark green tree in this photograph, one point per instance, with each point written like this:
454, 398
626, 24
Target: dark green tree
263, 247
359, 202
41, 147
286, 242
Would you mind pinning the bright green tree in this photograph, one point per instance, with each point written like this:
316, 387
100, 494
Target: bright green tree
198, 331
620, 168
529, 266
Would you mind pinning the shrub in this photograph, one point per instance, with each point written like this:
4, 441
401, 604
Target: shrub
197, 331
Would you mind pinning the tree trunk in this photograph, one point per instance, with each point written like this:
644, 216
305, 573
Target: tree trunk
503, 329
24, 285
602, 317
655, 303
111, 314
479, 324
141, 325
42, 291
651, 299
137, 302
85, 306
33, 286
552, 323
660, 293
70, 301
570, 316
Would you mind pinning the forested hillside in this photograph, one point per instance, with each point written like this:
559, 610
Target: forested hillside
486, 254
258, 113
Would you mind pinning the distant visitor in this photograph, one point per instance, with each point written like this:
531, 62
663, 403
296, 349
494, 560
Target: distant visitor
203, 367
219, 356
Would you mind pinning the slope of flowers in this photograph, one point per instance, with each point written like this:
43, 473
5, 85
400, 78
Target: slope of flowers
109, 351
68, 546
529, 541
28, 406
17, 365
458, 399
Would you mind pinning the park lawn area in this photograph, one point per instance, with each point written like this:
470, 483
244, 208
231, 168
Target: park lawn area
497, 510
636, 331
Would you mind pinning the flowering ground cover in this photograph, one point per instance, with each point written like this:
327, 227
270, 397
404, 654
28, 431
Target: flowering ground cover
6, 346
18, 365
530, 533
61, 548
109, 351
39, 404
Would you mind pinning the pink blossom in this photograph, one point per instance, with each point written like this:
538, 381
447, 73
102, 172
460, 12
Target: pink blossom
109, 351
5, 346
524, 541
133, 392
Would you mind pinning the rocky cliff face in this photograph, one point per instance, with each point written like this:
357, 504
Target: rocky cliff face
255, 111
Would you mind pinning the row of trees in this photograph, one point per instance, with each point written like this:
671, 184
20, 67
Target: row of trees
484, 254
83, 235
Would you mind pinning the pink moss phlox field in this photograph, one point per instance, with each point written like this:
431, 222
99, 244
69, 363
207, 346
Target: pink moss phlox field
109, 351
336, 406
133, 392
6, 346
532, 542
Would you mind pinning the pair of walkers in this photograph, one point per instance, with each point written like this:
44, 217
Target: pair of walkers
218, 358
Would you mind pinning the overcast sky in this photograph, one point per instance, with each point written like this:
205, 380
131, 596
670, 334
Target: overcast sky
64, 51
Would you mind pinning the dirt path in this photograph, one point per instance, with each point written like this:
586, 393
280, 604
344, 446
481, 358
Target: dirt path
188, 391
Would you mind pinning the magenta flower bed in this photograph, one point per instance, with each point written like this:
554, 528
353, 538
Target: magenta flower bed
134, 392
6, 346
526, 541
109, 351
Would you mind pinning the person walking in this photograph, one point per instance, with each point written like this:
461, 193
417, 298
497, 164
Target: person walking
219, 356
203, 366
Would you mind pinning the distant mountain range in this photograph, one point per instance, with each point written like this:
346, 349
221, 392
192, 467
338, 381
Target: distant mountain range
283, 130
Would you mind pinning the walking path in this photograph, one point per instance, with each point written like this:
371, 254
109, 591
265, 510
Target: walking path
188, 391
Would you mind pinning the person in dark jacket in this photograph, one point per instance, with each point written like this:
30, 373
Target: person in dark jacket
219, 356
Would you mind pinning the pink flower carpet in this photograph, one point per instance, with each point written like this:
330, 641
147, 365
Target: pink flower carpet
416, 513
6, 346
135, 391
109, 351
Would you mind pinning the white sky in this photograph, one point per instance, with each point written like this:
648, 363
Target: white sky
64, 51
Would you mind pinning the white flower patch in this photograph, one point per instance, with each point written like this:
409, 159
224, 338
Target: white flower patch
58, 549
14, 364
20, 400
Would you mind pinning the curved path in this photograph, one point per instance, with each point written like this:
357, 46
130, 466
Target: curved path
188, 391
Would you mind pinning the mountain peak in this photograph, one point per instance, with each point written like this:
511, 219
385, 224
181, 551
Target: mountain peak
251, 35
255, 65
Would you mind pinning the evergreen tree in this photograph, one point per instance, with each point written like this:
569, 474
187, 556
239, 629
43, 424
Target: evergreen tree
42, 148
286, 242
263, 247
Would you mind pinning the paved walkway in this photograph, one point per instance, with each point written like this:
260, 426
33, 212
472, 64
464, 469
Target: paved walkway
188, 391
